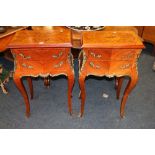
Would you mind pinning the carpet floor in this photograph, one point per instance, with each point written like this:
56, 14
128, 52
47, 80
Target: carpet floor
49, 106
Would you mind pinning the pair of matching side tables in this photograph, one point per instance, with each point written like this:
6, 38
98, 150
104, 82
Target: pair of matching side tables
48, 53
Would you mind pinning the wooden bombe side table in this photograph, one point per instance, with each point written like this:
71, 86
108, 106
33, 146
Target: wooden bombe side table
110, 53
42, 53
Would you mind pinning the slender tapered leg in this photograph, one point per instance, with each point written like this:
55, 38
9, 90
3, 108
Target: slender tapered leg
131, 84
118, 90
29, 79
82, 93
70, 88
20, 86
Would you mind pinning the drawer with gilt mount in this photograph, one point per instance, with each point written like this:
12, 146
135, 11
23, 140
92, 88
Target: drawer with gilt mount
36, 61
108, 61
40, 53
111, 54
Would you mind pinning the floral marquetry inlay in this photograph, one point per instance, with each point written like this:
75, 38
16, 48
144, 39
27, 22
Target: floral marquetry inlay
111, 39
41, 38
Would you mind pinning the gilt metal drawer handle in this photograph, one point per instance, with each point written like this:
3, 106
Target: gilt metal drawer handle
25, 57
57, 56
59, 64
94, 66
26, 66
126, 66
95, 55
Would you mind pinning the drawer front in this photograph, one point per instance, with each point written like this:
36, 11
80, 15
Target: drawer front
109, 67
97, 67
124, 54
35, 54
29, 67
41, 68
99, 54
41, 61
56, 67
120, 67
111, 54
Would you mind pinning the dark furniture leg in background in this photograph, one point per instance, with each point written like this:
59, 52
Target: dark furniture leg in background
47, 82
153, 52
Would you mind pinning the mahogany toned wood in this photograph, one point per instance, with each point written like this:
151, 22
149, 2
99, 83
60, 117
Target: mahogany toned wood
43, 52
140, 30
3, 46
4, 42
111, 39
47, 82
11, 30
6, 37
77, 35
118, 88
41, 38
19, 83
29, 80
110, 53
148, 34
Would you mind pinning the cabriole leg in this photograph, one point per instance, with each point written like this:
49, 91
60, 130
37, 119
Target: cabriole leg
20, 86
29, 79
131, 84
118, 90
70, 88
82, 93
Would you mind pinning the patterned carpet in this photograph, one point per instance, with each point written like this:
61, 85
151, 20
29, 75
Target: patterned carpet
49, 106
